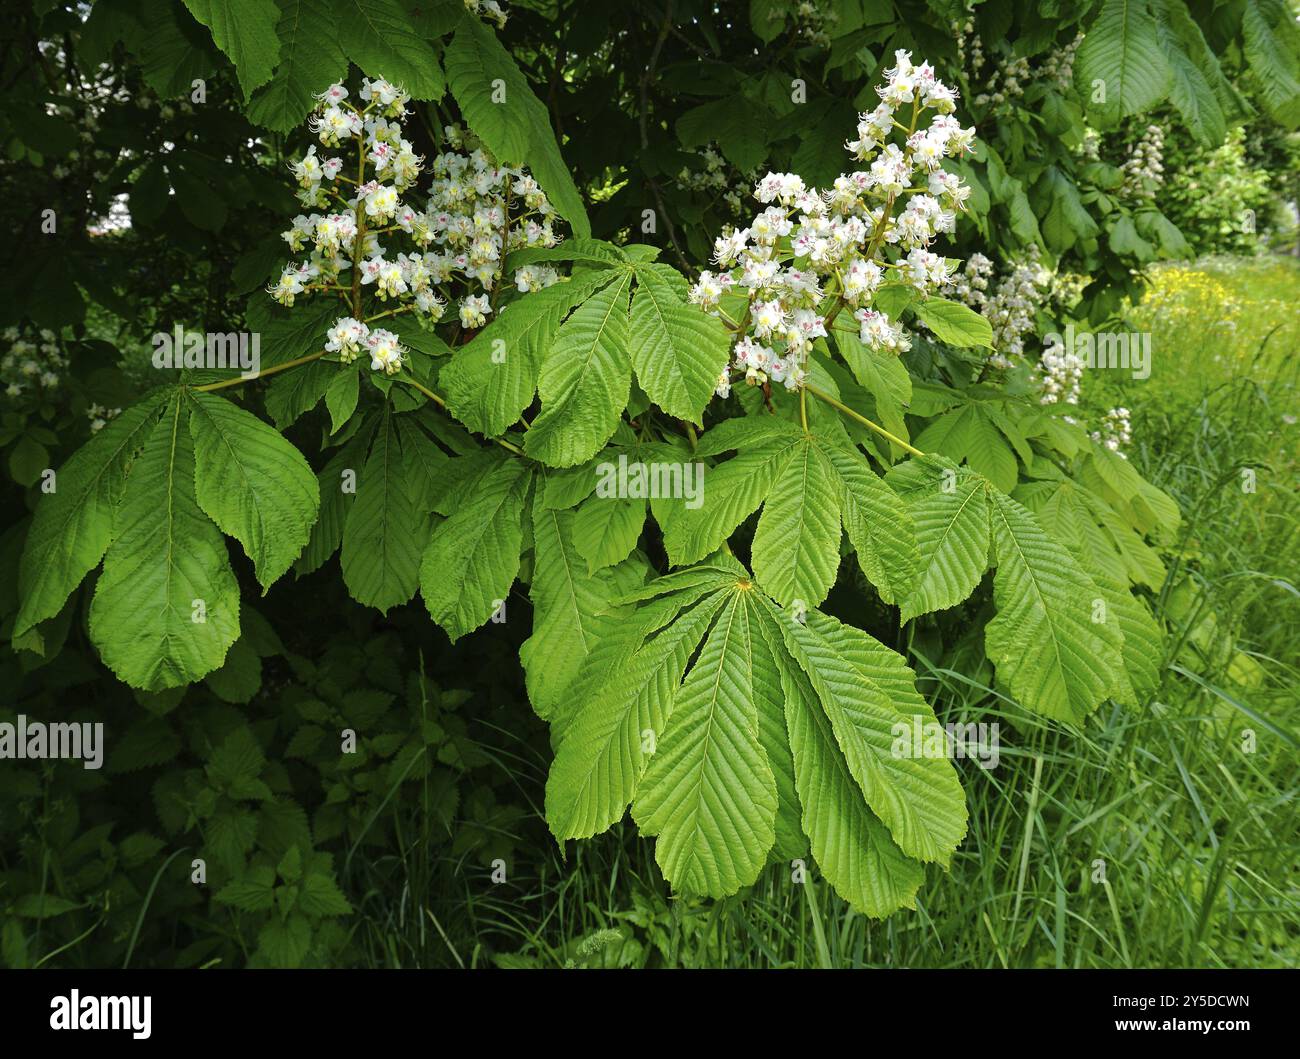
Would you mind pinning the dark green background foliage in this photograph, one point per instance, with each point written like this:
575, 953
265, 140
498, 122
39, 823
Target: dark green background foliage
386, 856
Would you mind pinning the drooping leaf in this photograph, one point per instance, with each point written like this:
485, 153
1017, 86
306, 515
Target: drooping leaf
473, 556
584, 381
252, 483
677, 351
708, 793
73, 524
310, 61
166, 607
622, 709
1046, 643
868, 694
572, 609
383, 535
379, 36
950, 512
797, 543
500, 106
852, 847
1121, 55
245, 31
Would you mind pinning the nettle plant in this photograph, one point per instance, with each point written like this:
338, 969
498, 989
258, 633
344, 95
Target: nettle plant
780, 420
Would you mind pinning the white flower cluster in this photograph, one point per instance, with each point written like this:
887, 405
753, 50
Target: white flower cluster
1144, 171
1011, 306
812, 22
1013, 75
837, 246
470, 202
99, 416
32, 364
1062, 374
714, 176
489, 9
1116, 430
476, 212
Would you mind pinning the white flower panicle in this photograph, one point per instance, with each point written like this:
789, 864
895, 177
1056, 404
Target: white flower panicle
487, 9
1062, 375
99, 416
33, 363
1010, 306
1006, 82
812, 253
451, 250
713, 176
1144, 170
1116, 430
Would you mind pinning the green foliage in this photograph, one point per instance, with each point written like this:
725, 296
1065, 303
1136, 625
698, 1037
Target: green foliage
703, 657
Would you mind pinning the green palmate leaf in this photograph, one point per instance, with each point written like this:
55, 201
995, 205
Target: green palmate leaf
173, 49
949, 510
969, 433
677, 351
1190, 89
852, 847
797, 543
310, 61
1121, 54
769, 661
709, 793
385, 529
779, 733
954, 323
1272, 46
73, 525
732, 492
166, 608
624, 703
493, 378
882, 375
337, 486
585, 380
1047, 643
245, 31
499, 105
379, 37
868, 694
1143, 645
252, 483
572, 611
606, 529
473, 557
877, 524
341, 397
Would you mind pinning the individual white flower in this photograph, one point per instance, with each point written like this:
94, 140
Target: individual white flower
290, 284
768, 318
707, 291
530, 278
729, 246
386, 352
335, 94
346, 338
390, 280
474, 311
382, 203
307, 170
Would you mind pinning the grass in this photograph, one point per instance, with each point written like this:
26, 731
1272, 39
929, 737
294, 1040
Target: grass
1166, 836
